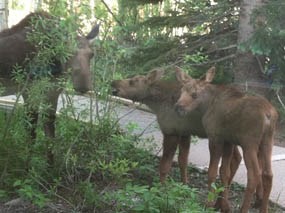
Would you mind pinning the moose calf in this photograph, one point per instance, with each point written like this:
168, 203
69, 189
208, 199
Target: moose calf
160, 95
231, 118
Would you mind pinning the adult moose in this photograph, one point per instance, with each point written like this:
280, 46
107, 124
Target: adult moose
17, 50
231, 118
160, 95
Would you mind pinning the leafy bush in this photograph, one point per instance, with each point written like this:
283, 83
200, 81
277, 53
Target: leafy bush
171, 197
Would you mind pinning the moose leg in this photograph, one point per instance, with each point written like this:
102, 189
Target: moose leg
259, 189
235, 162
184, 147
267, 176
225, 174
32, 114
49, 128
253, 176
169, 148
49, 125
216, 150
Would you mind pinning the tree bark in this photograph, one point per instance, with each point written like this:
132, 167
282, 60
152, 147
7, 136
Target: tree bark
3, 14
248, 69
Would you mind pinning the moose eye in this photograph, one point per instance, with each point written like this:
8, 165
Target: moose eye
194, 95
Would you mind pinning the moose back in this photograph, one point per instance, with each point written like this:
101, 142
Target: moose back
17, 50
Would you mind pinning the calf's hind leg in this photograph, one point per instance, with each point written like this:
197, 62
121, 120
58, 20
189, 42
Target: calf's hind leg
259, 189
235, 162
253, 176
267, 176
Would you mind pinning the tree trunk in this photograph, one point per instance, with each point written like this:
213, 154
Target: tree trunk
36, 5
3, 14
248, 68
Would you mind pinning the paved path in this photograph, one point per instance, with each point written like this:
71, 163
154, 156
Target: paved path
199, 154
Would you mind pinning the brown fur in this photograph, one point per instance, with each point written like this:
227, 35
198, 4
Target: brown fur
160, 96
23, 23
233, 118
15, 49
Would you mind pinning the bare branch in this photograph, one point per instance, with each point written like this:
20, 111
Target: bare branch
279, 99
110, 11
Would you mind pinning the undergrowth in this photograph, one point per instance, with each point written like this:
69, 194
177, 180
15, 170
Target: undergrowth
98, 167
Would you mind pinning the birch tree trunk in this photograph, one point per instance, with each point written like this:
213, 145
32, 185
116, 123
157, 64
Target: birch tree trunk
36, 5
39, 4
248, 68
3, 14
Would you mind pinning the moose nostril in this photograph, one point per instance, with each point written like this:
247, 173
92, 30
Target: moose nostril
179, 109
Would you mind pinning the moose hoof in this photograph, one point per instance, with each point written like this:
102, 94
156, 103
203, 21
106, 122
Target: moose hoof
222, 205
210, 204
257, 203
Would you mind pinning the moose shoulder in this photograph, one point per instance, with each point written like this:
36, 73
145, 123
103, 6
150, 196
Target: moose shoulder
17, 50
231, 118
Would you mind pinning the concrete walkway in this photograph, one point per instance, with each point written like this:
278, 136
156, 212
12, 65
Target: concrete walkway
147, 127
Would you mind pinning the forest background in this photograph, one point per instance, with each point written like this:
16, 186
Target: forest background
143, 34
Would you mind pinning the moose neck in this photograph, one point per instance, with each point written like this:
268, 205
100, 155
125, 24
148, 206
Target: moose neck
223, 93
211, 92
162, 93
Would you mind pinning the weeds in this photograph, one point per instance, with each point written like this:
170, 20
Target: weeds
98, 166
171, 197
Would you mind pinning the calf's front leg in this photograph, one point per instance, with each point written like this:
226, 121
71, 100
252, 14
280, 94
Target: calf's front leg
169, 148
225, 175
216, 151
184, 148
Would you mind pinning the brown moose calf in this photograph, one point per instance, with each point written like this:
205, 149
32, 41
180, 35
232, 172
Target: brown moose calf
160, 95
231, 118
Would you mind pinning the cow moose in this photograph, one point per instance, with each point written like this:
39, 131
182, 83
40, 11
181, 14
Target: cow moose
160, 95
17, 50
232, 118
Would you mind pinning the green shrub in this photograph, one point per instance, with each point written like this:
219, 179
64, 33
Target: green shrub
171, 197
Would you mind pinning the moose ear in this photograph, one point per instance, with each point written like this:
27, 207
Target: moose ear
210, 74
155, 75
181, 76
93, 33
